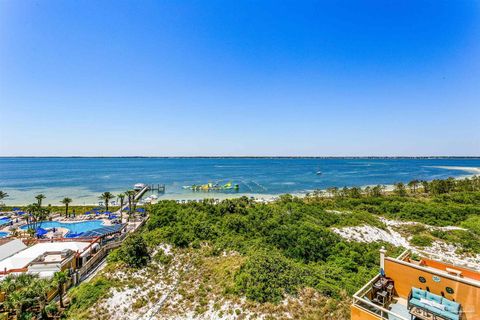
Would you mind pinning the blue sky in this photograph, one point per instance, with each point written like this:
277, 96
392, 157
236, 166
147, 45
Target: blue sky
165, 78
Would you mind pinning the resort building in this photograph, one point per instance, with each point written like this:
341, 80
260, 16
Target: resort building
45, 257
420, 286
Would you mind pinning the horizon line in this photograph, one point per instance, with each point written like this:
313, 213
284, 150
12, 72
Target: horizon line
256, 157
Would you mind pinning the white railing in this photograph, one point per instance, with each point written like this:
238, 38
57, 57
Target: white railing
360, 302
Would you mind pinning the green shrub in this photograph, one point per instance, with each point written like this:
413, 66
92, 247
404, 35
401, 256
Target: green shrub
421, 241
86, 295
133, 252
162, 258
266, 276
473, 224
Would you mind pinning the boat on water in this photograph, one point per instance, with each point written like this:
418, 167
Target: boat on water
213, 187
318, 173
138, 186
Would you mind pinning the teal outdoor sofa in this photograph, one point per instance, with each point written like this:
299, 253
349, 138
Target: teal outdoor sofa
434, 304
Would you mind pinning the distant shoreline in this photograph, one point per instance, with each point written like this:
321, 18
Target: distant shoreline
245, 157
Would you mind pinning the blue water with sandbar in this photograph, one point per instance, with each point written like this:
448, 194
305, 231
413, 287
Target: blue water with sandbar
83, 179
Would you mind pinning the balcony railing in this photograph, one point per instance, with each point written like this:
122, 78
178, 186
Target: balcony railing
366, 305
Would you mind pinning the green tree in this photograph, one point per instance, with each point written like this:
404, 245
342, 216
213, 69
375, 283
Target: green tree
121, 198
60, 278
40, 198
130, 196
25, 294
3, 195
355, 192
133, 252
333, 191
377, 191
37, 214
399, 189
425, 186
66, 202
413, 185
106, 197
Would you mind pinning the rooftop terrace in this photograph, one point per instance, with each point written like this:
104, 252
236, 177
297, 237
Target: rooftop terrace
448, 279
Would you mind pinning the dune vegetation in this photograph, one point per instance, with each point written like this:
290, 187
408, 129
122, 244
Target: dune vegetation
248, 260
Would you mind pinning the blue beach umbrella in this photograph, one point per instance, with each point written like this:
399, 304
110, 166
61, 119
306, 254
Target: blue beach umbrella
41, 232
126, 209
16, 209
74, 234
141, 210
20, 212
88, 212
107, 212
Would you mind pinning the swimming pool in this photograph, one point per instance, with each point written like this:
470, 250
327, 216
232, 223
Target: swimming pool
3, 234
73, 227
4, 220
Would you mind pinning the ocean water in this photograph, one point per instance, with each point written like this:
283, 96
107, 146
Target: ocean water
84, 179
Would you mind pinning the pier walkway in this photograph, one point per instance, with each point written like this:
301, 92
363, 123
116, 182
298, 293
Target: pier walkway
137, 197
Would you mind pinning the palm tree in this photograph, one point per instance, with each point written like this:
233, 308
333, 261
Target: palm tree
41, 288
400, 189
66, 202
131, 195
3, 195
60, 278
106, 197
121, 197
413, 186
37, 214
39, 198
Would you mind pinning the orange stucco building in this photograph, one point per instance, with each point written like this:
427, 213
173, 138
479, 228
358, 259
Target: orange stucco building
428, 287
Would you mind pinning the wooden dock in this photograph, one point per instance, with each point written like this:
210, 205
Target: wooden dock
141, 192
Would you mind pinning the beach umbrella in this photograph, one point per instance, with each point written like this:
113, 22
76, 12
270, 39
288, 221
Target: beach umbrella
41, 232
74, 234
141, 210
20, 212
107, 212
126, 209
88, 212
16, 209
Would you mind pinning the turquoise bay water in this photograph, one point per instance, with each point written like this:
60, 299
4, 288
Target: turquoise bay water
84, 179
73, 227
